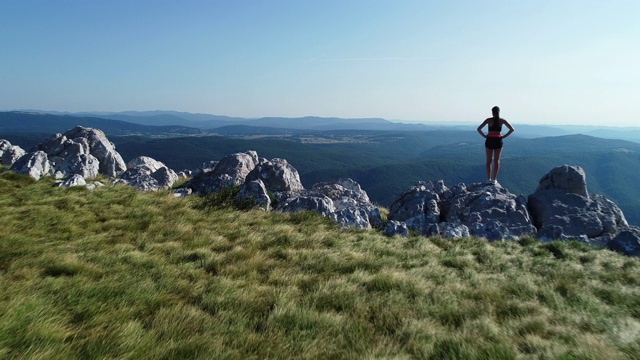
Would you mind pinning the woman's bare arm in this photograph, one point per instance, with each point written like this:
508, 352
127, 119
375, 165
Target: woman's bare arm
511, 129
480, 129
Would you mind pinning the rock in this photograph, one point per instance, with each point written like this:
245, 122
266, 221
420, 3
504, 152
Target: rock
396, 228
277, 175
35, 164
351, 217
72, 163
627, 241
342, 201
232, 170
490, 212
9, 153
322, 205
569, 179
111, 163
375, 218
93, 185
561, 208
185, 174
82, 151
453, 230
147, 174
476, 209
182, 192
417, 208
256, 192
237, 166
144, 161
74, 180
207, 166
344, 193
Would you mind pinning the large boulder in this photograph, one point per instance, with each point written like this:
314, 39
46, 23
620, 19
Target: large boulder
418, 208
256, 192
561, 208
627, 241
344, 193
232, 170
277, 175
350, 206
9, 153
148, 174
489, 211
570, 179
318, 204
111, 163
35, 164
82, 151
481, 210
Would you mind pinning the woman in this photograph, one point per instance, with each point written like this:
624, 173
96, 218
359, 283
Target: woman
493, 142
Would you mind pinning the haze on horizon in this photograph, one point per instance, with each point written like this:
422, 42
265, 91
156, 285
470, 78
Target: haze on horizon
543, 62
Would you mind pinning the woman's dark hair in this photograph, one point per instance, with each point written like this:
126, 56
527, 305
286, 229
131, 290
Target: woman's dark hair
495, 111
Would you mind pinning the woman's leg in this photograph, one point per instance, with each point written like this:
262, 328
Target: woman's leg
489, 153
496, 163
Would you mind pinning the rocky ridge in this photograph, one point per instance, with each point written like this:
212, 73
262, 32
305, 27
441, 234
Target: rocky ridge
560, 208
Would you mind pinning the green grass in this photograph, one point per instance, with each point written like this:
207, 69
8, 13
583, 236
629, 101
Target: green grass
115, 273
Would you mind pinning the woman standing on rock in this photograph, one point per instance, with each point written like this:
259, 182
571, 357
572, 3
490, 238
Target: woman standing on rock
493, 142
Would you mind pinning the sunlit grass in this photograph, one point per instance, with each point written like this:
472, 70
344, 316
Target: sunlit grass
115, 273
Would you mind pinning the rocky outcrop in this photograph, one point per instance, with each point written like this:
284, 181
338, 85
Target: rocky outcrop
318, 204
82, 151
562, 208
277, 175
9, 153
343, 201
627, 241
483, 210
232, 170
147, 174
256, 192
393, 228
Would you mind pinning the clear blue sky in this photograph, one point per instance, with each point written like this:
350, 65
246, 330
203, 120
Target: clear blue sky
542, 62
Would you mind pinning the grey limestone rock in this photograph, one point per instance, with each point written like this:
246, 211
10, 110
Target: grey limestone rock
322, 205
477, 209
418, 208
627, 241
257, 192
147, 174
569, 179
394, 227
81, 150
277, 175
35, 164
491, 212
73, 180
9, 153
230, 171
353, 209
561, 208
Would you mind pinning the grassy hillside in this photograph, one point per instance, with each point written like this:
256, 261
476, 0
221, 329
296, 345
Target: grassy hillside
115, 273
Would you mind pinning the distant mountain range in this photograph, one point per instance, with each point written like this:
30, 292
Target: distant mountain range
209, 123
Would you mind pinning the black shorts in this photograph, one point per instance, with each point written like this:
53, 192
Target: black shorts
493, 143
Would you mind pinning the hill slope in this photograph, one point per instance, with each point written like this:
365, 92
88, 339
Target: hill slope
115, 273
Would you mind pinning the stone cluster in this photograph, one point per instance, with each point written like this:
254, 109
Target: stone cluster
561, 208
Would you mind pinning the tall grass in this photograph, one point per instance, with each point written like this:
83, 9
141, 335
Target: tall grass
115, 273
